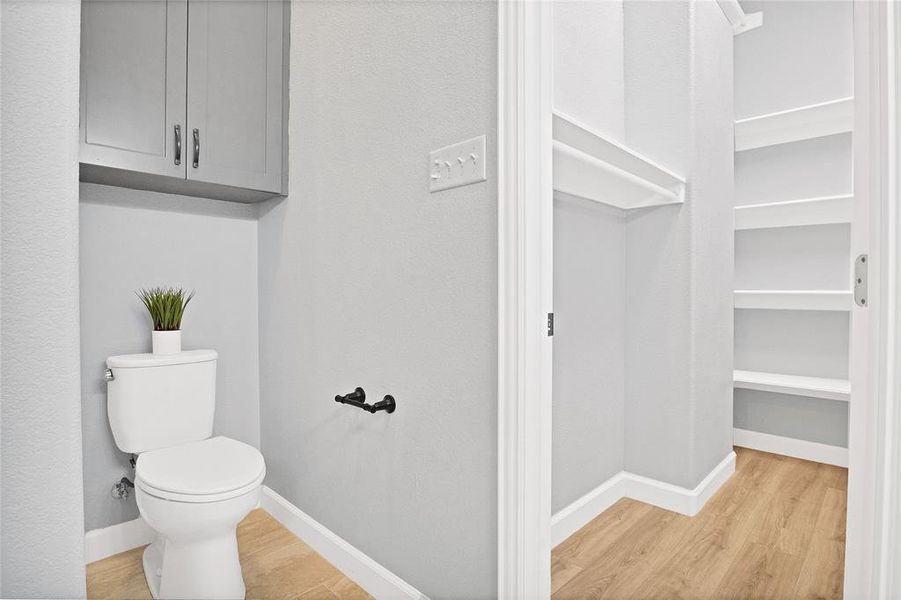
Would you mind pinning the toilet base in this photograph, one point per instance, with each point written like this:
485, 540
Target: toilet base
207, 569
153, 566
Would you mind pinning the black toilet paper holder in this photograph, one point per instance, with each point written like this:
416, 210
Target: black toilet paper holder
358, 398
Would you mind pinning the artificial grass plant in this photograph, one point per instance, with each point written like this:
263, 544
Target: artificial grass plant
166, 306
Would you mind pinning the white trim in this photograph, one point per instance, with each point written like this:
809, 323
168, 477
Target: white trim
590, 166
367, 573
578, 514
676, 498
816, 120
827, 210
794, 385
108, 541
865, 549
890, 305
644, 489
738, 18
777, 444
525, 297
832, 300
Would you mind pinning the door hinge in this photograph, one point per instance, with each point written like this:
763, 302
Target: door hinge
550, 324
861, 280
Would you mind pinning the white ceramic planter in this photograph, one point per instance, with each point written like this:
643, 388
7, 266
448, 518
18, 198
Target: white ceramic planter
167, 342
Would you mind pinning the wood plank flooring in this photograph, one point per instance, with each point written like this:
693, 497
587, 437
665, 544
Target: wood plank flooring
775, 530
275, 563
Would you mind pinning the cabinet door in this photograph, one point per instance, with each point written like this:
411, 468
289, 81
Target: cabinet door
133, 79
235, 89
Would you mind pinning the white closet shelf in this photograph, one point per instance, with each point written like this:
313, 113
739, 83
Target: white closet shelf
794, 299
738, 18
795, 385
816, 120
827, 210
589, 166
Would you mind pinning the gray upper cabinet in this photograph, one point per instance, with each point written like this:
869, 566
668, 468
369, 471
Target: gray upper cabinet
235, 93
185, 96
133, 84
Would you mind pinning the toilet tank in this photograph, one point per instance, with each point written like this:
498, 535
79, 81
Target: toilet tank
157, 401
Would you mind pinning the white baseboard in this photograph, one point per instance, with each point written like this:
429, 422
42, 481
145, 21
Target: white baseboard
644, 489
579, 513
367, 573
777, 444
107, 541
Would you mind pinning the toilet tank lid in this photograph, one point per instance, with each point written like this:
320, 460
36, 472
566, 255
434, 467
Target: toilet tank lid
137, 361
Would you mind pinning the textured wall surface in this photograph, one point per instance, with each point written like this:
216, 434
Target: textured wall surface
811, 419
368, 280
658, 95
712, 265
802, 55
588, 64
132, 239
589, 338
43, 531
678, 410
643, 300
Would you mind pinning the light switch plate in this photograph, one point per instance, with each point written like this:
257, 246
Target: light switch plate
458, 164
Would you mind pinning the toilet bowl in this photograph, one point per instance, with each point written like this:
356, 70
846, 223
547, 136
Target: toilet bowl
191, 488
194, 495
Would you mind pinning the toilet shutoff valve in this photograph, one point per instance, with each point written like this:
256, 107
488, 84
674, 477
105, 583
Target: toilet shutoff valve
120, 488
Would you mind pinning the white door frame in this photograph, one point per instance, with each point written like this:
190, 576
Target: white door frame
874, 487
525, 295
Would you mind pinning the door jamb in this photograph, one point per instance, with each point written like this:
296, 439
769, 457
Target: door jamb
525, 294
874, 485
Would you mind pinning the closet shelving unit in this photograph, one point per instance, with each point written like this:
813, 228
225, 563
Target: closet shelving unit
828, 210
794, 385
807, 122
591, 166
814, 121
794, 299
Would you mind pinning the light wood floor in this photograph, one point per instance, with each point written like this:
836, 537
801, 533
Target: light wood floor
775, 530
275, 563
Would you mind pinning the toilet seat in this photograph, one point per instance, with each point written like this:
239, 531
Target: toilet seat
210, 470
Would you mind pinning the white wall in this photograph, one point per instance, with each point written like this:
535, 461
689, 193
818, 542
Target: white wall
43, 534
134, 239
802, 55
368, 280
588, 64
589, 338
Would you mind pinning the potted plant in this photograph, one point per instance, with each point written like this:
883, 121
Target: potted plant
166, 307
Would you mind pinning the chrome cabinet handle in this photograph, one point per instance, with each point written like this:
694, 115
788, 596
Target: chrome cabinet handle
178, 144
196, 147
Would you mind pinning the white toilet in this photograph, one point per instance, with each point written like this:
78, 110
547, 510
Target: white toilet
192, 489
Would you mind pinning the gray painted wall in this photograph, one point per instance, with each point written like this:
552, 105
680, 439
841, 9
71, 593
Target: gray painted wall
712, 183
589, 339
679, 259
367, 279
132, 239
43, 533
643, 301
811, 419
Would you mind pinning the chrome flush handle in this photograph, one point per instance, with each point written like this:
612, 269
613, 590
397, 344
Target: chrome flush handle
108, 375
196, 147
